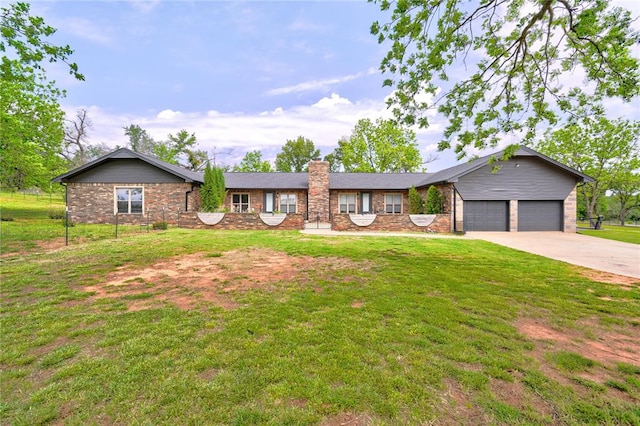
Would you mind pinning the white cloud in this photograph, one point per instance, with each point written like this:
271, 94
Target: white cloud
318, 85
86, 29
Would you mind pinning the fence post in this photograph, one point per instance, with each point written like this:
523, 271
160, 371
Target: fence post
163, 214
116, 225
147, 220
66, 226
178, 217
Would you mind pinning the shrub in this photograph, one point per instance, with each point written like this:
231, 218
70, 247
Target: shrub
160, 225
56, 214
434, 201
6, 219
416, 203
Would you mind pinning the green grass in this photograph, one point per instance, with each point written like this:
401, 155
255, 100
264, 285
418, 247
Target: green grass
627, 234
407, 331
30, 222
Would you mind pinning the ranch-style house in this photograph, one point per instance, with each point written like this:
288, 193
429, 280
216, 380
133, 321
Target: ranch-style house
527, 192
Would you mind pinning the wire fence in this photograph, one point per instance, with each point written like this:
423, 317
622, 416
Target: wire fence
31, 221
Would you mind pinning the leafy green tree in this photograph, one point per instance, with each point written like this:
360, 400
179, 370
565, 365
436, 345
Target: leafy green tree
139, 140
175, 148
416, 203
335, 160
31, 121
625, 188
296, 155
380, 147
252, 162
196, 158
607, 150
494, 67
434, 201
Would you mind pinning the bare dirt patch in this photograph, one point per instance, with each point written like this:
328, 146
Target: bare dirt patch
457, 406
607, 347
609, 278
347, 419
188, 281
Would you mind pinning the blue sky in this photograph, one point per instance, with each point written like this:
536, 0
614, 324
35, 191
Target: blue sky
241, 75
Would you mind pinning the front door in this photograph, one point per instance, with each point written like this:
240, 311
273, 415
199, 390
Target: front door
365, 202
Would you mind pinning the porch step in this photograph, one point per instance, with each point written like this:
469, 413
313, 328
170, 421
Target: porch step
317, 225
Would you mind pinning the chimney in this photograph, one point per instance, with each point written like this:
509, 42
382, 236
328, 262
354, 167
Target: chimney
319, 190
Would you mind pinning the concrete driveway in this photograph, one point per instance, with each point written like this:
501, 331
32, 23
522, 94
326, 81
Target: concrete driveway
592, 252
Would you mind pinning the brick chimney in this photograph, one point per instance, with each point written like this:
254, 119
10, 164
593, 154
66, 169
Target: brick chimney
319, 190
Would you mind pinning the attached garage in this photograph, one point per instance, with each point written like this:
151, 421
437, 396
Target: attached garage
486, 215
540, 215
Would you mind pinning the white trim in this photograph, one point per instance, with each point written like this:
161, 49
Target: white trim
393, 204
115, 198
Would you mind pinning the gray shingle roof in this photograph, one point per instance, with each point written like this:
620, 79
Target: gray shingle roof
375, 180
186, 174
237, 180
349, 181
453, 173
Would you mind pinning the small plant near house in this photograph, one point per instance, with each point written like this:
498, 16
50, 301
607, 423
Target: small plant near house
434, 201
159, 226
416, 203
6, 219
56, 214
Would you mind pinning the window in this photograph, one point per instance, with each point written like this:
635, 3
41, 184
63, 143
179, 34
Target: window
287, 203
347, 203
240, 203
393, 203
129, 200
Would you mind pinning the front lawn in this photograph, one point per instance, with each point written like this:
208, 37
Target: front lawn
627, 234
268, 327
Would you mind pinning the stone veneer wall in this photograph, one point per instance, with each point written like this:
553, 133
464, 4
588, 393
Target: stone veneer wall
95, 202
319, 189
242, 221
513, 215
570, 211
392, 222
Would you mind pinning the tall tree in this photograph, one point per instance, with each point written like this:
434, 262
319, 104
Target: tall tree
604, 149
382, 146
31, 121
76, 134
139, 140
175, 148
296, 154
252, 162
196, 158
494, 67
625, 188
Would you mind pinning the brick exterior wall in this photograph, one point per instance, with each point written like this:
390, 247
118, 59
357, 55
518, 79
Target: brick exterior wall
256, 199
571, 211
95, 202
242, 221
392, 222
319, 189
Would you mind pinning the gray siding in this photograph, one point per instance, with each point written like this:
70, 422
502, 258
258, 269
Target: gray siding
532, 179
126, 171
